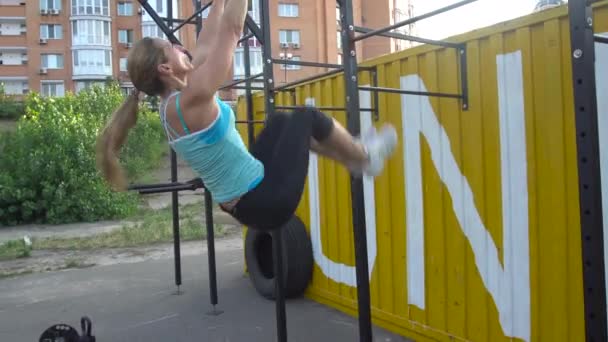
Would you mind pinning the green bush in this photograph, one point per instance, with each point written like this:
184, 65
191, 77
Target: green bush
47, 165
10, 108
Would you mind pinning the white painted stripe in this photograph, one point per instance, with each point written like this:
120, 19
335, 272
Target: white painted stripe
510, 287
515, 307
601, 80
335, 271
414, 202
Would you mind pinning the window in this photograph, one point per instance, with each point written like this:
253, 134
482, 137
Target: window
90, 7
159, 5
52, 61
289, 10
152, 30
50, 4
82, 85
125, 8
90, 58
125, 36
52, 88
339, 40
255, 61
51, 31
126, 89
289, 36
91, 32
123, 64
253, 9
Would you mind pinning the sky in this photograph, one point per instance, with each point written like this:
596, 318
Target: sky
478, 14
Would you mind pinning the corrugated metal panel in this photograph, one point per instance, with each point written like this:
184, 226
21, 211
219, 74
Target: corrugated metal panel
476, 218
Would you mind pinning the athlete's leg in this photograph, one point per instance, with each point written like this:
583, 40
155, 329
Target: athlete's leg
358, 155
284, 146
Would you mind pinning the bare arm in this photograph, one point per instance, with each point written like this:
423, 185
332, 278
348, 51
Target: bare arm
212, 73
208, 33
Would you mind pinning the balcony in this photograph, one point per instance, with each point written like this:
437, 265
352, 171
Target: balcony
13, 56
16, 86
12, 31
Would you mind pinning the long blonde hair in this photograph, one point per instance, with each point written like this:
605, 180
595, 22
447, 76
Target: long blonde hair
143, 61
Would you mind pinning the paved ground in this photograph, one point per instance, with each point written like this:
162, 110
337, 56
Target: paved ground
137, 302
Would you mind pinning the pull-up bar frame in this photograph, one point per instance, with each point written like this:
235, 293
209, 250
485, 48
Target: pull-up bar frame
350, 70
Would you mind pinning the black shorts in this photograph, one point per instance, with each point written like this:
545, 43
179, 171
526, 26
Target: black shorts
283, 147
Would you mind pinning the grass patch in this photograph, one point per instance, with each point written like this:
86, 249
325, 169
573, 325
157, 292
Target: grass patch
14, 249
154, 227
14, 274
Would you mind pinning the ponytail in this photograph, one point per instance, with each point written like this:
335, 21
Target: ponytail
111, 139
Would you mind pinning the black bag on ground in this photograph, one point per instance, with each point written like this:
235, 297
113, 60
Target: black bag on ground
65, 333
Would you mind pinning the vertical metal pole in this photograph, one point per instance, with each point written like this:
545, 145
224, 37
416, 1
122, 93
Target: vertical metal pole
270, 108
267, 57
175, 194
248, 95
209, 210
462, 51
211, 252
590, 196
277, 255
354, 126
376, 109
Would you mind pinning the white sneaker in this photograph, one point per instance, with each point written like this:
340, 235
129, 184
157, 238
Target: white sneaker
380, 146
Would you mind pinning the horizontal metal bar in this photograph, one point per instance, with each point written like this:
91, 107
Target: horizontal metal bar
316, 77
254, 28
241, 81
601, 39
196, 13
167, 189
409, 92
413, 20
151, 186
246, 87
307, 79
252, 121
177, 20
410, 38
334, 109
303, 63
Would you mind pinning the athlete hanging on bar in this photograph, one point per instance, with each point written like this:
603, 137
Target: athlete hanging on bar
262, 187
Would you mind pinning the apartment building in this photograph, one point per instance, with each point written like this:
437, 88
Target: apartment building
55, 46
309, 31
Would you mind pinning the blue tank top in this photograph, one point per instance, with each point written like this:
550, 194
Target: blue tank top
217, 154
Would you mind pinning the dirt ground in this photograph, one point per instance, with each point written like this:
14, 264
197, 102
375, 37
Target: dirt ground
48, 261
44, 261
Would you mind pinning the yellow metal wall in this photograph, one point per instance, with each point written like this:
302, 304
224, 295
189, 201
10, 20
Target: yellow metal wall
457, 302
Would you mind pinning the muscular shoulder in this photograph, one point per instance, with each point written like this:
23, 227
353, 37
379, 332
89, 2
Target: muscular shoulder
198, 114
